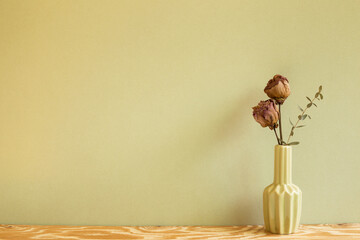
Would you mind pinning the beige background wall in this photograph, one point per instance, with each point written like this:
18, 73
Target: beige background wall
139, 112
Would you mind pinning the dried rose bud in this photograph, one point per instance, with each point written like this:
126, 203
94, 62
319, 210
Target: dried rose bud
266, 113
278, 88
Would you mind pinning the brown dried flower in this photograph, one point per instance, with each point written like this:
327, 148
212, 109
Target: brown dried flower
278, 88
266, 113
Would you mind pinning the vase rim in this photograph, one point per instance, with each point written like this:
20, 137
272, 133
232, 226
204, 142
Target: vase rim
283, 146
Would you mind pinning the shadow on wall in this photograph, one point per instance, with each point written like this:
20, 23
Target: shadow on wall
237, 119
247, 208
221, 144
224, 130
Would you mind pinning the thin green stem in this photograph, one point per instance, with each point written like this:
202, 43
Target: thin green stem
277, 138
297, 122
281, 137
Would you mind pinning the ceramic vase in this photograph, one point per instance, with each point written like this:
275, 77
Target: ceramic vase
282, 199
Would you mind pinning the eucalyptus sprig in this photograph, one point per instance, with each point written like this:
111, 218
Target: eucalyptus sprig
303, 115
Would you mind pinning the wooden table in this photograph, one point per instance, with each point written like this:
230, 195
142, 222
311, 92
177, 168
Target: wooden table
322, 231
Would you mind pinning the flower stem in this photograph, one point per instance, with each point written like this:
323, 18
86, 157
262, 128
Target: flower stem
297, 122
281, 138
277, 138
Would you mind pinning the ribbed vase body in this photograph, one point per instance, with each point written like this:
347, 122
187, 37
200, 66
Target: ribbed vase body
282, 199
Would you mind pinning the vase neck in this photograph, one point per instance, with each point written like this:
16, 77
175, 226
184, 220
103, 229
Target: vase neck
282, 168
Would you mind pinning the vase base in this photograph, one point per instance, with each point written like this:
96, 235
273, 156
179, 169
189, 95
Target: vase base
280, 233
282, 208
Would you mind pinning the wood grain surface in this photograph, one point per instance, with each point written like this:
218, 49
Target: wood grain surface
322, 231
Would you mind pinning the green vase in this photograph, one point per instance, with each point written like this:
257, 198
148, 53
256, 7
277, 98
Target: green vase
282, 199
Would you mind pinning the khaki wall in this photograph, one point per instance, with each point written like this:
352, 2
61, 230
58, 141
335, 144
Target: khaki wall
139, 112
